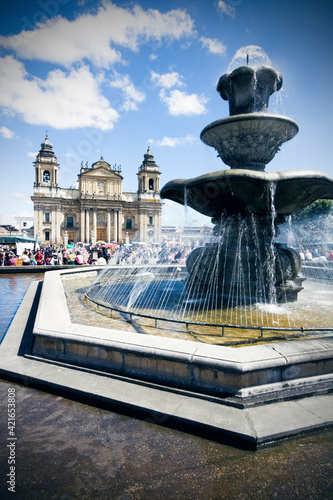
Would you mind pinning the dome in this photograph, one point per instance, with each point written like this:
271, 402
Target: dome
75, 185
148, 163
46, 150
149, 155
46, 143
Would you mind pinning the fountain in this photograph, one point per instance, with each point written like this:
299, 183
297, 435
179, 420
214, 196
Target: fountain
256, 394
244, 267
246, 204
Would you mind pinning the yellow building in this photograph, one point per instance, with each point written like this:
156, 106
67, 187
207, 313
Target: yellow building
95, 207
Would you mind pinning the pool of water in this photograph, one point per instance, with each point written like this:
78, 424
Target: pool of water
12, 290
314, 309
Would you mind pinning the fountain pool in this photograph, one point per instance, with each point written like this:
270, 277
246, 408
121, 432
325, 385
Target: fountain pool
153, 309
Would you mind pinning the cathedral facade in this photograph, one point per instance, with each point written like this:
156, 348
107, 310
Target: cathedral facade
95, 207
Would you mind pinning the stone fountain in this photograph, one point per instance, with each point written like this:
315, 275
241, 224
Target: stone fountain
254, 394
246, 265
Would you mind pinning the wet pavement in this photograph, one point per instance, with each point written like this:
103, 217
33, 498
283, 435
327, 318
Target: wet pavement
66, 450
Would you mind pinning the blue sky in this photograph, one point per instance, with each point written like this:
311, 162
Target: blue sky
109, 78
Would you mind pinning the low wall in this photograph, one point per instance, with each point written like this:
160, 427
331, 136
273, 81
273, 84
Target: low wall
278, 370
36, 269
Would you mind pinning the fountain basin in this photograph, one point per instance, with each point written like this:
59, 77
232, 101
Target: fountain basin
245, 373
249, 141
237, 191
170, 378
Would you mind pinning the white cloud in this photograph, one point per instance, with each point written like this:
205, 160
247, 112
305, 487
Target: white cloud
213, 45
174, 141
19, 195
98, 37
7, 133
132, 96
167, 80
62, 100
181, 103
224, 8
31, 154
153, 57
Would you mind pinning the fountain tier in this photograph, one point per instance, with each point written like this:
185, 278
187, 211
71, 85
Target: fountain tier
249, 141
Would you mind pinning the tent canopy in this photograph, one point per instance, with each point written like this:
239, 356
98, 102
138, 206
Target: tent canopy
16, 239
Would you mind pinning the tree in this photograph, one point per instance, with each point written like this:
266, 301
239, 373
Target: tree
320, 208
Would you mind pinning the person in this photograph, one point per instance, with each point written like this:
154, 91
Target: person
39, 258
25, 258
2, 257
308, 255
100, 259
64, 256
71, 257
55, 257
78, 259
11, 259
106, 254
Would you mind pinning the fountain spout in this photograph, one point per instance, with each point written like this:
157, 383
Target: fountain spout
248, 89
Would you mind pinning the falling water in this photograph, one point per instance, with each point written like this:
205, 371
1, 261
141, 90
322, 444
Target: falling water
231, 282
186, 215
256, 56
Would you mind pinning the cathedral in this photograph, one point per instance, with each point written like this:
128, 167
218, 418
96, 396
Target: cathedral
95, 208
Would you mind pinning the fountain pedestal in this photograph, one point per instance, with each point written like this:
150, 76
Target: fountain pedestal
245, 266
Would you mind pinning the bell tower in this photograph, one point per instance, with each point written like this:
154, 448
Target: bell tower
148, 177
46, 166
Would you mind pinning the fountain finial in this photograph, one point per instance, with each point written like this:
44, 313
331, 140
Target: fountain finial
248, 89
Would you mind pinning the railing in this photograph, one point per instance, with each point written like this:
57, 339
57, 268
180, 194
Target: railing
261, 329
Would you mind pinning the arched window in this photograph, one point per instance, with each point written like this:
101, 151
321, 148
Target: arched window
151, 184
46, 177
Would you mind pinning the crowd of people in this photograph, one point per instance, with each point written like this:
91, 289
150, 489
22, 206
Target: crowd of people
100, 254
128, 254
316, 255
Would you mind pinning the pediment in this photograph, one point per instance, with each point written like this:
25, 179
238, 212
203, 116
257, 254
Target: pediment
101, 172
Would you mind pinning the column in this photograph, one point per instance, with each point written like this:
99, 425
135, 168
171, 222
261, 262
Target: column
108, 226
115, 226
95, 222
58, 224
82, 228
37, 223
143, 226
157, 235
119, 224
87, 226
